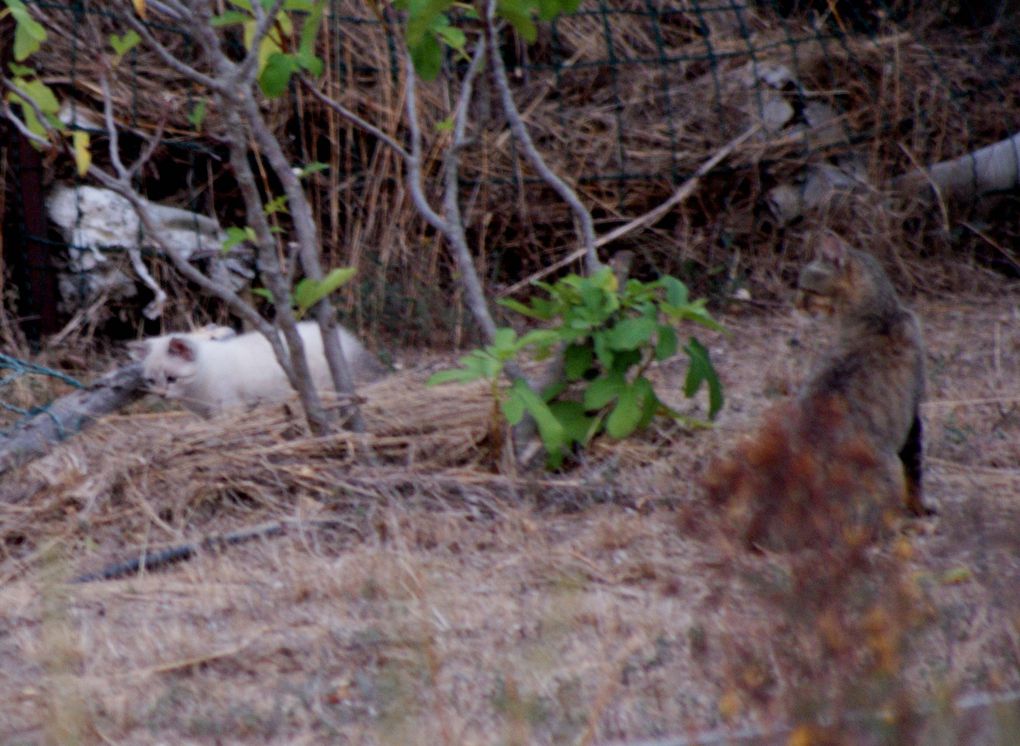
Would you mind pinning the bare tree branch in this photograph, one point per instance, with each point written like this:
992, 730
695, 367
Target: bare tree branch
354, 118
450, 226
684, 191
39, 115
155, 308
23, 128
451, 201
295, 365
169, 59
307, 235
523, 137
70, 414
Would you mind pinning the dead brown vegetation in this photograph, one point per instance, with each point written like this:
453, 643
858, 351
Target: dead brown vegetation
628, 104
431, 596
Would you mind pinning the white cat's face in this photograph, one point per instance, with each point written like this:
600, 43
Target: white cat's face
169, 366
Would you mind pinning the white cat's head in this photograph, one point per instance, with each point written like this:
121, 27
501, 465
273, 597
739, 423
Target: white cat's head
169, 364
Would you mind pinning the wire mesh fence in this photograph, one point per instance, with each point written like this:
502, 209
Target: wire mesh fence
845, 104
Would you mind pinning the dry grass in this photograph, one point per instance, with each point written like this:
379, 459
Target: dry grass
447, 602
626, 122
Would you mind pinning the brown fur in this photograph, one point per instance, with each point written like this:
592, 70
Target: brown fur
851, 440
877, 364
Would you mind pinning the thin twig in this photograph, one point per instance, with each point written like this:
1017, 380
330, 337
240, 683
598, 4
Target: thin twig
23, 128
155, 308
307, 234
684, 191
523, 138
171, 61
354, 118
40, 116
451, 200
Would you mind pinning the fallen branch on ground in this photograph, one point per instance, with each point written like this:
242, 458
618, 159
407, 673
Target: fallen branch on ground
71, 414
181, 552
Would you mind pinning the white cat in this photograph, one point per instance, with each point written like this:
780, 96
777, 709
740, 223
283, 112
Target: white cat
212, 370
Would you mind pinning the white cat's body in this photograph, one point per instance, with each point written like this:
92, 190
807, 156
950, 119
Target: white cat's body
210, 374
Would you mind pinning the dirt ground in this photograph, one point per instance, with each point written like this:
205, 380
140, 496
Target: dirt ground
426, 599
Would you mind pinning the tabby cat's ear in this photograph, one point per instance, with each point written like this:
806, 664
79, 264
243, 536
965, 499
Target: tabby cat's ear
182, 348
832, 250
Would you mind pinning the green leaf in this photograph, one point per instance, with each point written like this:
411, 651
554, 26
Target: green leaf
310, 30
577, 360
311, 63
308, 292
578, 427
29, 34
676, 291
666, 344
43, 97
513, 408
456, 375
263, 293
693, 312
311, 168
548, 9
554, 389
623, 361
453, 36
31, 120
505, 339
630, 334
538, 338
427, 57
125, 43
517, 13
605, 279
603, 390
197, 115
549, 428
277, 204
82, 153
425, 16
603, 350
626, 415
40, 93
487, 365
700, 370
237, 235
539, 309
229, 18
275, 76
650, 403
21, 71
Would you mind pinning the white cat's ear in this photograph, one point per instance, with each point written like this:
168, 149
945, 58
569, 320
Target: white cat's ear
138, 349
183, 348
216, 332
832, 249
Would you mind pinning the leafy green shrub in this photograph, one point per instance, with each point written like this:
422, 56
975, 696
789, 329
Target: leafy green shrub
607, 338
